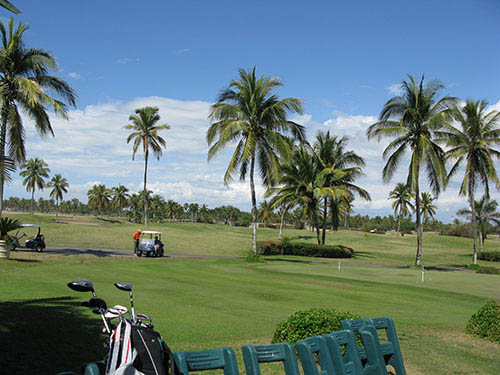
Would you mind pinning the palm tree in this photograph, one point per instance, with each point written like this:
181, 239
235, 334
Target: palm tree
485, 212
413, 118
27, 83
59, 186
35, 170
472, 144
120, 198
428, 209
9, 6
249, 113
99, 198
145, 132
402, 202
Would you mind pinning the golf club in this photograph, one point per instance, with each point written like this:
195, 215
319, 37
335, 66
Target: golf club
87, 286
82, 286
128, 288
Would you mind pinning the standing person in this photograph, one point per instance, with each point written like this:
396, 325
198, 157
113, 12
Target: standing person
136, 236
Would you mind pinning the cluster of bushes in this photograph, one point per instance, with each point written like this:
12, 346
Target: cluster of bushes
303, 249
486, 322
492, 256
306, 323
458, 230
484, 269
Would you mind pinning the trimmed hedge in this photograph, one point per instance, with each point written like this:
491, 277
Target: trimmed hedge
488, 270
491, 256
306, 323
486, 322
303, 249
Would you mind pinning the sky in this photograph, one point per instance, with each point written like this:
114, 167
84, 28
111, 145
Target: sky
343, 59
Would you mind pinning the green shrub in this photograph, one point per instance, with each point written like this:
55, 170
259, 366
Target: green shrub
486, 322
488, 270
303, 249
253, 258
491, 256
474, 267
306, 323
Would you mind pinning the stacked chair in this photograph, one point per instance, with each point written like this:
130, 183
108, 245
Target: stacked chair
336, 353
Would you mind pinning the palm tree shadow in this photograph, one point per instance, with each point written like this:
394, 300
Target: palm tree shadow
362, 254
47, 336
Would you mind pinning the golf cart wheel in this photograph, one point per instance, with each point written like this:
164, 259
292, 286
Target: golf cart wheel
139, 253
39, 249
160, 252
13, 248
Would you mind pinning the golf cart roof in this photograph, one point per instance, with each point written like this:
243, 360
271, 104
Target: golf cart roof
30, 225
150, 232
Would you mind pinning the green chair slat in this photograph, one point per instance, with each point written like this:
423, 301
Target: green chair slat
350, 362
307, 348
281, 352
202, 360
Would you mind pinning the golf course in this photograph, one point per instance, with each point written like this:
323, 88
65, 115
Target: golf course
208, 302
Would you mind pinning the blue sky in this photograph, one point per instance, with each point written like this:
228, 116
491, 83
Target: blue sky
342, 58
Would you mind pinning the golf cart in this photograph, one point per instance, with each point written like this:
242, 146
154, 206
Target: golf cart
36, 242
150, 244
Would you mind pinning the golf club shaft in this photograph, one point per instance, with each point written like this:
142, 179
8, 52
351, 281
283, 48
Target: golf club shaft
132, 307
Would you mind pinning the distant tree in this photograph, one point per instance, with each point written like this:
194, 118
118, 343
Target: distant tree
120, 195
249, 113
428, 208
472, 143
412, 119
145, 133
99, 198
34, 172
402, 205
59, 187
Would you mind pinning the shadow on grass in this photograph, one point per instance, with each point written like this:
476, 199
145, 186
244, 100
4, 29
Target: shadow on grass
362, 254
46, 336
24, 260
109, 220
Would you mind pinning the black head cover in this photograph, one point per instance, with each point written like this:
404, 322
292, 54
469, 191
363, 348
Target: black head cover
81, 286
124, 286
95, 302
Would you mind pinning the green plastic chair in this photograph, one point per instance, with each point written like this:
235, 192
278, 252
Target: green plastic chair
307, 348
375, 362
348, 363
281, 352
390, 350
206, 360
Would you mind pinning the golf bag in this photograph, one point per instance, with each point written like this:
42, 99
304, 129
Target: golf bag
138, 350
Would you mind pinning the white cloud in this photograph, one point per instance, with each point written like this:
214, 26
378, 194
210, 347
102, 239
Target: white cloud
127, 60
395, 89
75, 75
182, 51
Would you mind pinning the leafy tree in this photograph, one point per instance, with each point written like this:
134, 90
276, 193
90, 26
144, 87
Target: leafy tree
99, 198
27, 83
59, 187
249, 113
428, 208
412, 119
120, 195
402, 202
145, 133
472, 143
34, 172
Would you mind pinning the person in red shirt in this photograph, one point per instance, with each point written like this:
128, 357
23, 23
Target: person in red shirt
136, 236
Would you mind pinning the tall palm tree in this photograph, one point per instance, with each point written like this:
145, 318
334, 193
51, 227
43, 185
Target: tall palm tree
412, 119
145, 132
120, 195
249, 113
427, 207
402, 202
34, 172
27, 84
485, 212
99, 198
59, 187
472, 143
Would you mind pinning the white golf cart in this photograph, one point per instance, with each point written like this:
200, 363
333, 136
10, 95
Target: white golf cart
150, 244
36, 242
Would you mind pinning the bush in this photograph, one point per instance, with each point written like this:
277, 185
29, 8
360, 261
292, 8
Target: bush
287, 247
460, 230
486, 322
491, 256
474, 267
253, 258
488, 270
306, 323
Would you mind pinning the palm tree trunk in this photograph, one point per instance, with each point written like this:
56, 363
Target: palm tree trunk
32, 199
145, 207
399, 220
474, 221
419, 224
325, 212
3, 132
315, 223
57, 207
281, 225
254, 207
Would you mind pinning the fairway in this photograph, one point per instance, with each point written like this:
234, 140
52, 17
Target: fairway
207, 303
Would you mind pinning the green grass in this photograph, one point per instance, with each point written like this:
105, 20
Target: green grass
207, 303
215, 239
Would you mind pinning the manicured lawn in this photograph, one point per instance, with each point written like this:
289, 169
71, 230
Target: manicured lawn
210, 239
207, 303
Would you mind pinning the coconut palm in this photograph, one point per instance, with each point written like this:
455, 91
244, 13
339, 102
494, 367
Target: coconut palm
412, 119
402, 202
249, 113
27, 84
427, 207
34, 172
472, 143
99, 198
120, 195
59, 187
9, 6
145, 133
485, 212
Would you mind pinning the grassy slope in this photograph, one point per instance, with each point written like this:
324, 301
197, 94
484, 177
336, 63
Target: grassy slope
200, 304
207, 239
